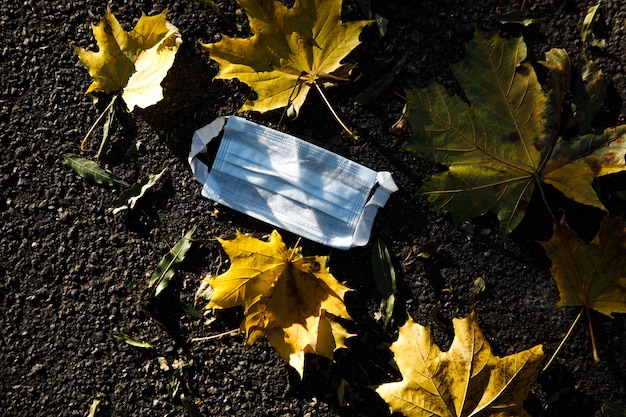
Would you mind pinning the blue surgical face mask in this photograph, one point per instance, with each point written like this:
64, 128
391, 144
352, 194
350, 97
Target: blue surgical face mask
290, 183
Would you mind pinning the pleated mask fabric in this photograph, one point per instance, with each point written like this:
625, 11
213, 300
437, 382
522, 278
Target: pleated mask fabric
290, 183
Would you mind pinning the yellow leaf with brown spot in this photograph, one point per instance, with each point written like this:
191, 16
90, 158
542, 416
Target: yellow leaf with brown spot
292, 49
134, 62
290, 298
467, 380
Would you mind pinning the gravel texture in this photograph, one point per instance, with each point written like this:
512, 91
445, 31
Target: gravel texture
71, 274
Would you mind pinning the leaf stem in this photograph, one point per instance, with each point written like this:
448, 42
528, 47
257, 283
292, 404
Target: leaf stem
343, 125
545, 201
569, 332
106, 131
215, 336
594, 347
293, 252
289, 101
82, 144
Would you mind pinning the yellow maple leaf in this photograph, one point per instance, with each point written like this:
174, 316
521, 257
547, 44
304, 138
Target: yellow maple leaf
292, 49
467, 380
133, 62
291, 299
594, 274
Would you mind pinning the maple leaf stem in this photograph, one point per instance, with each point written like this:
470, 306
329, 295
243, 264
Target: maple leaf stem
215, 336
289, 107
82, 144
293, 251
594, 347
343, 125
545, 201
567, 335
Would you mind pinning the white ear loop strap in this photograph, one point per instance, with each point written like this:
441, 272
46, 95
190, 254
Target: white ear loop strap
386, 186
201, 138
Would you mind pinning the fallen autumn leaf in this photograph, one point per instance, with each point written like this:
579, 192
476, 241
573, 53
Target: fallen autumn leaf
133, 62
292, 49
287, 297
467, 380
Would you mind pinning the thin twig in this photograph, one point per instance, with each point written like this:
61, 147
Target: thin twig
289, 101
545, 202
82, 144
293, 251
569, 332
594, 346
345, 127
215, 336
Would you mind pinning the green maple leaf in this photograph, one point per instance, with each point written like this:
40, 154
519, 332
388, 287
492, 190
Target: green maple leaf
291, 50
505, 142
